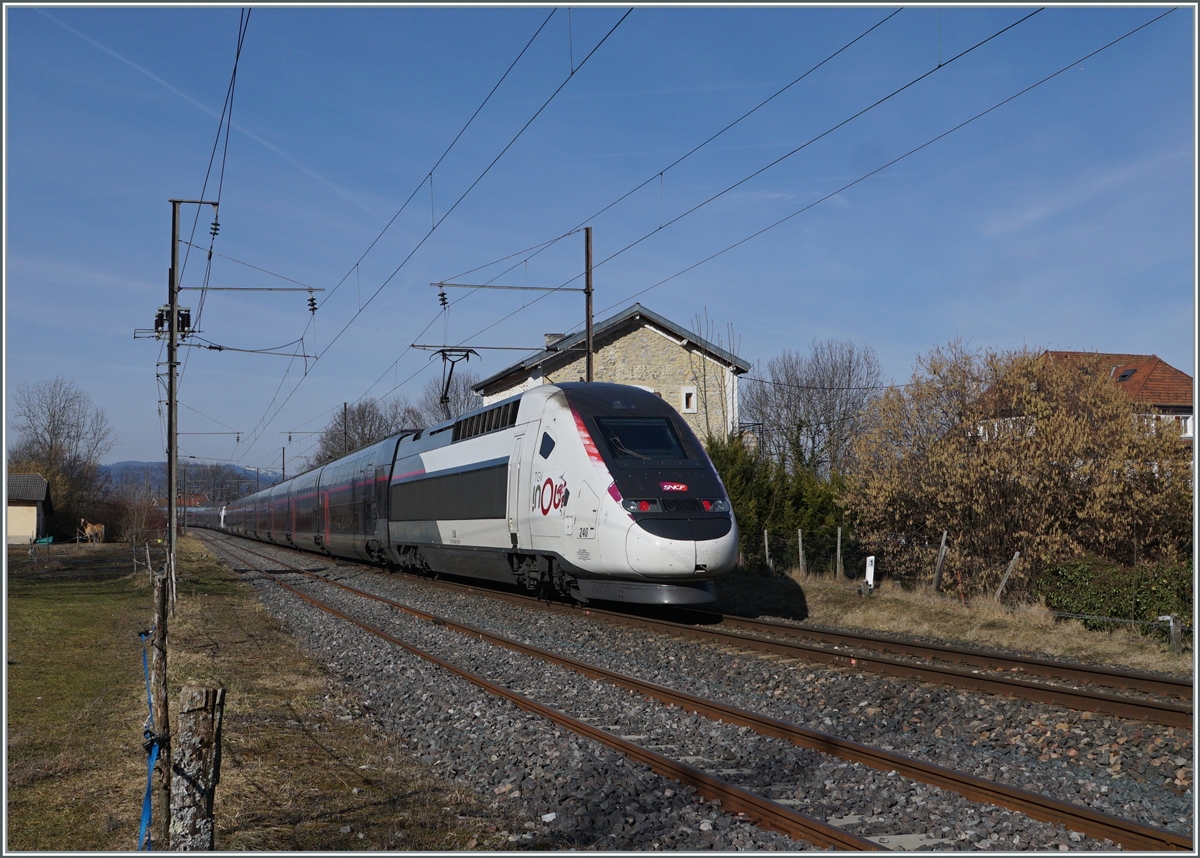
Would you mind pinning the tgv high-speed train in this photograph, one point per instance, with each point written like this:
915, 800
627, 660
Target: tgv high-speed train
596, 491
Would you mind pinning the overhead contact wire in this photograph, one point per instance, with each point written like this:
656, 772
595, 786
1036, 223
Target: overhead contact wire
757, 172
255, 432
449, 211
225, 122
659, 175
896, 160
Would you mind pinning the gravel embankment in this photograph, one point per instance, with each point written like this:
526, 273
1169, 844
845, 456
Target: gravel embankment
574, 793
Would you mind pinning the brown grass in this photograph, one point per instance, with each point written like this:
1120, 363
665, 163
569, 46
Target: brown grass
302, 768
76, 700
827, 601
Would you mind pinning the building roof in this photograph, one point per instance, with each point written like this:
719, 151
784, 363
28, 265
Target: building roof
560, 350
31, 488
1144, 378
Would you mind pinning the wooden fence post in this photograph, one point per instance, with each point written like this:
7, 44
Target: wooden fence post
1007, 572
197, 768
161, 828
767, 550
937, 569
800, 541
839, 553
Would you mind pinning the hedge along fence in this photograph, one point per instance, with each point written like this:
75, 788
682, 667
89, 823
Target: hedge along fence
1098, 588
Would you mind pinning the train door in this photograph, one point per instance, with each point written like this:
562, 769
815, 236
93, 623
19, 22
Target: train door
518, 530
548, 486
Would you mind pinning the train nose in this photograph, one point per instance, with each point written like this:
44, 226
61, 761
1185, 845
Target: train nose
718, 554
663, 547
682, 546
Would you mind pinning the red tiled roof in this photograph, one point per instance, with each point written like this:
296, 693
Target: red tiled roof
1144, 378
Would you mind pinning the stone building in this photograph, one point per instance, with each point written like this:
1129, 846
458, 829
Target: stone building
641, 348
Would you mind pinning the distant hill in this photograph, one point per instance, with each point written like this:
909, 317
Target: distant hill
125, 472
156, 473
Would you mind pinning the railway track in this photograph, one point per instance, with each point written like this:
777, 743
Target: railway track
1166, 686
764, 812
1129, 834
1165, 712
957, 667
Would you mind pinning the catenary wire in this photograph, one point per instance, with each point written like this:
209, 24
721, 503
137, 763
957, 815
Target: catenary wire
812, 140
442, 157
226, 121
863, 177
539, 248
895, 160
324, 351
757, 172
255, 432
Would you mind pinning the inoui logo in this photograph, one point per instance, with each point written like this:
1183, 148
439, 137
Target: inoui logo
549, 495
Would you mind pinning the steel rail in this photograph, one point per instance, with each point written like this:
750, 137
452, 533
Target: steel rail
1107, 676
1159, 712
1165, 713
1128, 834
763, 811
1168, 714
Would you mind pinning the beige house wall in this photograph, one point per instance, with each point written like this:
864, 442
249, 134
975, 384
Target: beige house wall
22, 524
647, 357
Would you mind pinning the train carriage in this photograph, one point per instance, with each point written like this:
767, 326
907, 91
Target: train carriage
599, 491
307, 523
278, 503
352, 494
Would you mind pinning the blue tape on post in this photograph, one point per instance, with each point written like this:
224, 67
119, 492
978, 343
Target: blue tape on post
151, 760
151, 738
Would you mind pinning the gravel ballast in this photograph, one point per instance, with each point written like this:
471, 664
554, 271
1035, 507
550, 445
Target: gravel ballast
567, 792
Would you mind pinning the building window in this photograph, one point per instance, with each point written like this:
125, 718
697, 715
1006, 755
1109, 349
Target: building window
688, 400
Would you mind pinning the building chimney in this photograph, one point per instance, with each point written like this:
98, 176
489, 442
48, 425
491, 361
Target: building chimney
553, 338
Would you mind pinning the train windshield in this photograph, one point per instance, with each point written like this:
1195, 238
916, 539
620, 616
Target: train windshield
633, 438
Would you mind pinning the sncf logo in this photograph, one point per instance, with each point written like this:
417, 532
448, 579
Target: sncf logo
673, 487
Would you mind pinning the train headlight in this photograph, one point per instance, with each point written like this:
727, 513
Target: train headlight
716, 505
641, 505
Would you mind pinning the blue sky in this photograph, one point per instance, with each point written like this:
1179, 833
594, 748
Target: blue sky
1062, 219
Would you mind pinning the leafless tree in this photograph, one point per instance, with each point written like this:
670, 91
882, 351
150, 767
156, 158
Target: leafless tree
363, 423
462, 397
62, 435
135, 504
220, 482
715, 386
809, 407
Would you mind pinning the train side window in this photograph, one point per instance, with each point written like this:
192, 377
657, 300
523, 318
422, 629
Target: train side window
547, 446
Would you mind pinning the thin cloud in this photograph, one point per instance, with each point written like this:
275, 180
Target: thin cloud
1079, 193
271, 147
